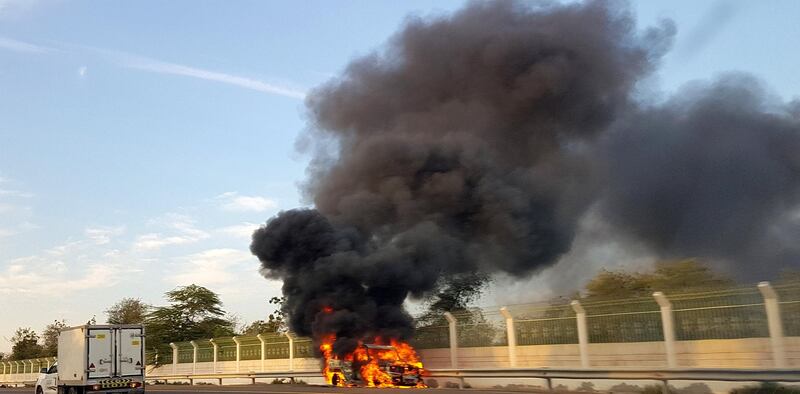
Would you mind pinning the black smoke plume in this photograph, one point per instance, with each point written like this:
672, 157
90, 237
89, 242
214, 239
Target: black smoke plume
476, 142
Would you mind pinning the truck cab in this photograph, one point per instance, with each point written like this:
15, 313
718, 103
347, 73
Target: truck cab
47, 383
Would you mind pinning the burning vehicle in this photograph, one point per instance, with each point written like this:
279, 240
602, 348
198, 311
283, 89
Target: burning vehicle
373, 365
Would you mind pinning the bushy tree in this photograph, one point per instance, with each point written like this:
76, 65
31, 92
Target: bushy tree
668, 276
194, 312
276, 321
25, 344
455, 294
127, 311
50, 338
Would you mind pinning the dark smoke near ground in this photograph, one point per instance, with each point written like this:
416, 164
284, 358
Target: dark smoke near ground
476, 143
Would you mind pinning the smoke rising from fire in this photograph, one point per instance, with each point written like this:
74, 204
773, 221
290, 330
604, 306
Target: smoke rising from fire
476, 142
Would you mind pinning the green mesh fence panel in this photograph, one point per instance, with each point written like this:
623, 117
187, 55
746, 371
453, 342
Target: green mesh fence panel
185, 352
477, 335
251, 352
629, 320
226, 349
729, 314
546, 331
250, 348
303, 348
159, 356
789, 304
205, 351
432, 337
625, 327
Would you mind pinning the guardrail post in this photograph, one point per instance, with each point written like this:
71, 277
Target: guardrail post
194, 357
583, 332
238, 352
668, 328
216, 350
511, 334
775, 323
451, 322
174, 358
291, 352
263, 350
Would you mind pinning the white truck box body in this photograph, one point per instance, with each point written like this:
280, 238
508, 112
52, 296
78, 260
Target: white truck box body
93, 354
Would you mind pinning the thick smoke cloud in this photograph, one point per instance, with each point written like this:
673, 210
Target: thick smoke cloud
715, 173
477, 142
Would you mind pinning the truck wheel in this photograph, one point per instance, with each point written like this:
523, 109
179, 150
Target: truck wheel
335, 380
39, 390
74, 390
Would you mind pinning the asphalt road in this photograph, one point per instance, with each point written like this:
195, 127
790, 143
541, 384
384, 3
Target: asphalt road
278, 389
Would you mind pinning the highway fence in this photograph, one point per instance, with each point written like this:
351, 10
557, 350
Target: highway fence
754, 328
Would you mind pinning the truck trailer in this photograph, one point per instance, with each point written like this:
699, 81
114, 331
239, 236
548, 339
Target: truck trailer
95, 359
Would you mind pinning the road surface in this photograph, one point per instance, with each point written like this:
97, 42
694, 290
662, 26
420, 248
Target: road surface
279, 389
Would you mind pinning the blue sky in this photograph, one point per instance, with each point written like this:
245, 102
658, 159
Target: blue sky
141, 142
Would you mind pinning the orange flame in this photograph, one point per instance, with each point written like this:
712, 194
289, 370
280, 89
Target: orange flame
372, 363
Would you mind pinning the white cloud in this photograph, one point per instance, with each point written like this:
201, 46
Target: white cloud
244, 230
103, 235
21, 46
82, 71
210, 267
73, 266
15, 193
182, 227
161, 67
232, 201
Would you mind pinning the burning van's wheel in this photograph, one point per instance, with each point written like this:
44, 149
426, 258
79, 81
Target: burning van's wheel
335, 380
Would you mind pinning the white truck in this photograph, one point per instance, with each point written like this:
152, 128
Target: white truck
95, 359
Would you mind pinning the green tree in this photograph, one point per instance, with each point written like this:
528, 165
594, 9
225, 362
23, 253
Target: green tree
194, 312
668, 276
455, 294
276, 321
127, 311
684, 276
25, 344
616, 284
50, 338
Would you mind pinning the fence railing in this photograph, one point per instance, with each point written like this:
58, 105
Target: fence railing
762, 311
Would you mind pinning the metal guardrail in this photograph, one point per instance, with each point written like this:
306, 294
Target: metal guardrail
711, 374
249, 375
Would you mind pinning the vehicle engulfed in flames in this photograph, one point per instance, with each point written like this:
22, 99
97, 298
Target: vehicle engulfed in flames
375, 365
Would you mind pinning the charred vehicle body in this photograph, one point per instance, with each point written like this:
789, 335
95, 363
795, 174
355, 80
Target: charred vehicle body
374, 365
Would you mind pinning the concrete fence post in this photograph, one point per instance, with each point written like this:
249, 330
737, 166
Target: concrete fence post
174, 358
194, 357
668, 328
216, 350
451, 322
238, 352
583, 332
774, 322
511, 333
291, 350
16, 363
263, 350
